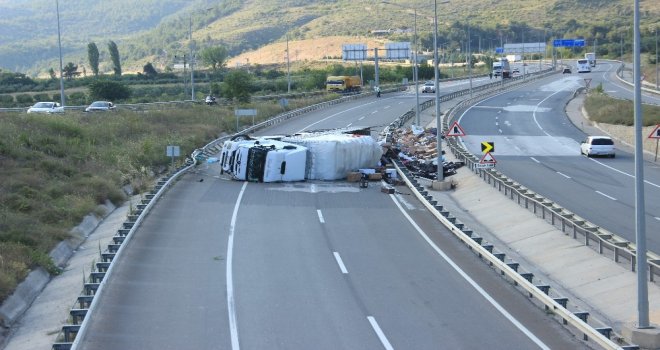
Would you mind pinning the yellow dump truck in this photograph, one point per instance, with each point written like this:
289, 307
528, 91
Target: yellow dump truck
343, 83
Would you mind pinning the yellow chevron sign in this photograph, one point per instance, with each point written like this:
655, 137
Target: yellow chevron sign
487, 146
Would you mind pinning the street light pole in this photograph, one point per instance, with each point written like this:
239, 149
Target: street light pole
640, 220
438, 124
415, 74
192, 64
59, 43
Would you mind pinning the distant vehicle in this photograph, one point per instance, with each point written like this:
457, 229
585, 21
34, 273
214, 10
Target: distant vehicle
583, 66
567, 70
501, 67
100, 106
597, 146
591, 57
343, 83
516, 70
429, 87
210, 100
46, 107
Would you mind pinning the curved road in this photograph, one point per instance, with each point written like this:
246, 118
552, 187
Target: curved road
222, 265
538, 146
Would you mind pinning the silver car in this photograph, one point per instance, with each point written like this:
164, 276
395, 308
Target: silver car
98, 106
46, 107
597, 146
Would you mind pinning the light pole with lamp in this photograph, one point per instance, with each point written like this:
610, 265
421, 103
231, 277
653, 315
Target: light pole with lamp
59, 42
417, 118
192, 56
436, 71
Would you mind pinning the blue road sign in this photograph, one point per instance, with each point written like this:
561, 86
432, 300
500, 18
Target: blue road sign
499, 50
568, 43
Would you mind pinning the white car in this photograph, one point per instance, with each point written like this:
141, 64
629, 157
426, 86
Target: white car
429, 86
597, 146
46, 107
100, 106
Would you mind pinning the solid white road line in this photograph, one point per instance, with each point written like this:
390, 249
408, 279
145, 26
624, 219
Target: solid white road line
474, 284
534, 159
231, 305
342, 267
379, 332
318, 211
606, 196
564, 175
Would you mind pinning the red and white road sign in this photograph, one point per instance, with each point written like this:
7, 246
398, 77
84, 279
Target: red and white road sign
487, 159
455, 130
655, 134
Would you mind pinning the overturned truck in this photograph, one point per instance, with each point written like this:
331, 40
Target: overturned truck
319, 155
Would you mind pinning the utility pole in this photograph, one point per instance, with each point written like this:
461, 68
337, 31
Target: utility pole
59, 42
288, 67
192, 63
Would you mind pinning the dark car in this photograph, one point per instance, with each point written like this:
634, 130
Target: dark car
567, 70
100, 106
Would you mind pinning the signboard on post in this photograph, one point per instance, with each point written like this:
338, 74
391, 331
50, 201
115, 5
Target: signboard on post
487, 147
397, 51
568, 43
455, 130
244, 113
173, 151
525, 48
354, 52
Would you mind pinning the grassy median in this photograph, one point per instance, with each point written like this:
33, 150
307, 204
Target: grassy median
55, 169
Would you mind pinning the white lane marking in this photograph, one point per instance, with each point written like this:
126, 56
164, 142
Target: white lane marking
657, 218
379, 332
342, 267
537, 108
374, 112
564, 175
336, 114
606, 196
623, 172
362, 117
231, 305
500, 130
386, 107
534, 159
318, 211
349, 124
405, 202
474, 284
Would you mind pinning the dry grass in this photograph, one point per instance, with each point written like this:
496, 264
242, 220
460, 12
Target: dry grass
54, 170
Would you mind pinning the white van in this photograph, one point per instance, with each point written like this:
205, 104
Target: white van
597, 146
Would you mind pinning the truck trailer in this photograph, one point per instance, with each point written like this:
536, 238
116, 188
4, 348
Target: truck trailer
591, 57
319, 155
343, 83
501, 67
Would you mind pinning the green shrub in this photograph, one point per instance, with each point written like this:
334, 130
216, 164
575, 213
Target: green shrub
41, 97
24, 99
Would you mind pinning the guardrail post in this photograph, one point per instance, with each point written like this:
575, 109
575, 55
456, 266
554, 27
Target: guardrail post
583, 316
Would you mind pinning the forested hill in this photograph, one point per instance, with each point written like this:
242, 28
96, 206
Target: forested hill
158, 30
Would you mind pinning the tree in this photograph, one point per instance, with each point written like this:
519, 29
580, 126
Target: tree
149, 70
237, 85
114, 55
93, 57
70, 70
215, 56
109, 90
52, 74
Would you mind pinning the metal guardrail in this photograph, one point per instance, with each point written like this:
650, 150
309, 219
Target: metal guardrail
498, 260
605, 242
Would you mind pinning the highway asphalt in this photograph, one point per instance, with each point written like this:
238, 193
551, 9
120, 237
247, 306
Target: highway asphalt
596, 282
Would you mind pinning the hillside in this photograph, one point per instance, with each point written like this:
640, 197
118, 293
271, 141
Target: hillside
158, 30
